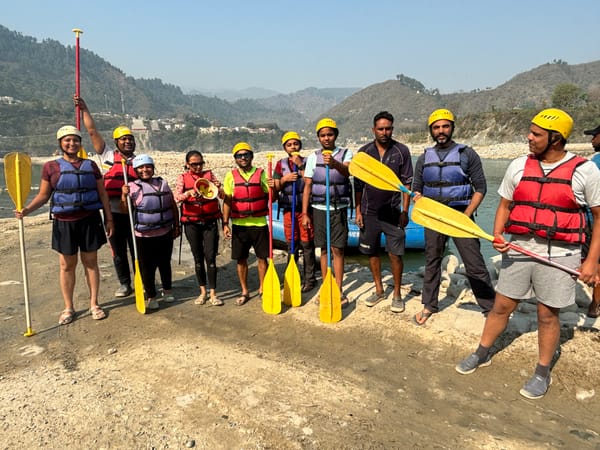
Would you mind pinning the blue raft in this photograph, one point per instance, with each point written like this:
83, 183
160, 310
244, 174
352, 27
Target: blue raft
415, 235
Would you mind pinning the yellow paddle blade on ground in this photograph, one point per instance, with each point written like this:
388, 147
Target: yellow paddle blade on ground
140, 303
292, 294
330, 305
443, 219
375, 173
271, 296
17, 172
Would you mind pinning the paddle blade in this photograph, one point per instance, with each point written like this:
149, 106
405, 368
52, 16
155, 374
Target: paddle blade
271, 298
372, 172
443, 219
17, 172
82, 153
330, 306
140, 303
292, 295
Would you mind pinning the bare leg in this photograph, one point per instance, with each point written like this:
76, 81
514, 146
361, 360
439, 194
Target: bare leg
397, 265
67, 264
375, 266
338, 265
92, 275
242, 271
497, 319
548, 333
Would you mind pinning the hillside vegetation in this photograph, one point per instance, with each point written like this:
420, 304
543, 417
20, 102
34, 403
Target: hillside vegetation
37, 83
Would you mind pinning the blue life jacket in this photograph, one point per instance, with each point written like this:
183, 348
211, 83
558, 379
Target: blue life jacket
444, 180
340, 190
286, 195
76, 189
155, 209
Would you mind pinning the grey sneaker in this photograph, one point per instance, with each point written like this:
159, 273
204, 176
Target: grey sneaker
151, 303
471, 363
123, 291
536, 387
374, 298
397, 305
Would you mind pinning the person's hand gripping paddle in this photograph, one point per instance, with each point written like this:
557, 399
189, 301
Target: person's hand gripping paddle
17, 173
271, 297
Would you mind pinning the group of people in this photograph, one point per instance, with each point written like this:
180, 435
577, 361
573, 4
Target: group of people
544, 196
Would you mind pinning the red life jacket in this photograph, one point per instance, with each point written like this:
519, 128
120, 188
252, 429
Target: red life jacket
545, 204
113, 178
198, 209
248, 199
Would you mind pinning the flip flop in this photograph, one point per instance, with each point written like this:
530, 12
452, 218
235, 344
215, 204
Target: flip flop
420, 318
97, 313
66, 317
242, 299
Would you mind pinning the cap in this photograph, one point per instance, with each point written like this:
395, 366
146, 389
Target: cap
593, 132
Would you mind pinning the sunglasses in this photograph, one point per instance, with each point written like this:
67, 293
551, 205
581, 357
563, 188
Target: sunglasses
243, 155
198, 164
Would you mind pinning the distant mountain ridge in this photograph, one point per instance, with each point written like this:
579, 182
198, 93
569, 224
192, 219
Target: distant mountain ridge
37, 81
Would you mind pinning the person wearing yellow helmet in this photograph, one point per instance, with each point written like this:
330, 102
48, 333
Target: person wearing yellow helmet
451, 173
109, 160
245, 202
340, 192
76, 192
288, 183
541, 199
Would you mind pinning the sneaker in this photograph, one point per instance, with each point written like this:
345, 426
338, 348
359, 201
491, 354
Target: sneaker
123, 291
536, 387
151, 303
168, 298
397, 305
471, 363
374, 298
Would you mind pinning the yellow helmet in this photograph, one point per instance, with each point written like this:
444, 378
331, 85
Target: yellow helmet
326, 123
440, 114
290, 135
241, 146
553, 119
66, 131
121, 131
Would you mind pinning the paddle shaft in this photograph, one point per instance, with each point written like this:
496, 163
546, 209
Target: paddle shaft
270, 172
77, 78
19, 205
293, 243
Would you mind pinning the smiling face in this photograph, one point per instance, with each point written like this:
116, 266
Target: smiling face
243, 159
70, 145
126, 144
145, 172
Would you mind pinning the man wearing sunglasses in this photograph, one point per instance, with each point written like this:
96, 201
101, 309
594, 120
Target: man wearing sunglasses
246, 202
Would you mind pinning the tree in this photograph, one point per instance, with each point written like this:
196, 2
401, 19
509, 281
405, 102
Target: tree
568, 96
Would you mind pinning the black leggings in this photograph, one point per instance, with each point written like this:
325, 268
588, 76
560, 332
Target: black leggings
204, 243
155, 253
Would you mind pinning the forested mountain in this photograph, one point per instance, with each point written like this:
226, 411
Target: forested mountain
37, 82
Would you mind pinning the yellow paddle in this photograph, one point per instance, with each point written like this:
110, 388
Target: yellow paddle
292, 295
428, 212
138, 285
330, 306
271, 297
17, 172
451, 222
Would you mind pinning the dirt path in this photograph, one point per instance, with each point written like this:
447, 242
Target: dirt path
234, 377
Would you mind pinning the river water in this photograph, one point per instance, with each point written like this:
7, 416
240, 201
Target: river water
494, 170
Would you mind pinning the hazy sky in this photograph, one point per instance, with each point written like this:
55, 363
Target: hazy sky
290, 45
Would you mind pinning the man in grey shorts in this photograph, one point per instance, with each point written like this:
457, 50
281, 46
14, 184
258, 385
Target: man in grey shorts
542, 196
